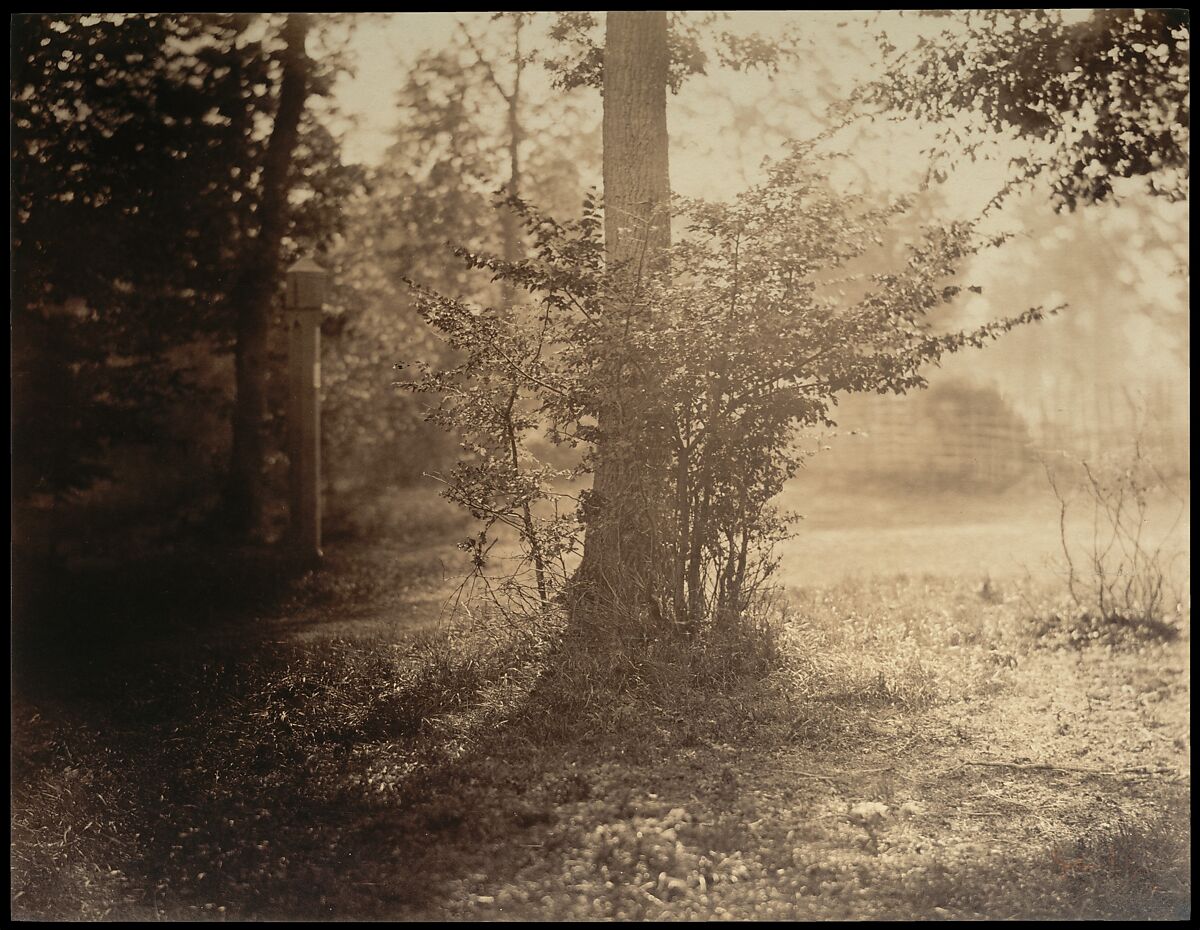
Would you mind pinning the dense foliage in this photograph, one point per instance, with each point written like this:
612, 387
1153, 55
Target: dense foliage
137, 150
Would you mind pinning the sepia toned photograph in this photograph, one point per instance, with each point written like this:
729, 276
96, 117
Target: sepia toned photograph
583, 466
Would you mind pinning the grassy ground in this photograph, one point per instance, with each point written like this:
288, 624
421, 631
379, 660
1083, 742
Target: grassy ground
1015, 534
886, 746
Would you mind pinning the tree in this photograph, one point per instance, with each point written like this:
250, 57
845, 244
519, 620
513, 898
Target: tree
1098, 99
434, 186
465, 137
258, 282
122, 221
1095, 107
514, 128
721, 363
138, 155
683, 369
637, 235
684, 391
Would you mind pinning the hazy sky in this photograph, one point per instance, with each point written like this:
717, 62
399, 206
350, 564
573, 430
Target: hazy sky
709, 158
384, 47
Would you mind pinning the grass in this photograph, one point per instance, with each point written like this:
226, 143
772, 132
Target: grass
816, 765
218, 777
850, 537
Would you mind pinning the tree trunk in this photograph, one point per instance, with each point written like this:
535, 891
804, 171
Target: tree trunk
256, 288
618, 568
637, 187
516, 136
512, 252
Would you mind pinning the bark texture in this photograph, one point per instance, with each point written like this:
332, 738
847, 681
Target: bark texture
618, 568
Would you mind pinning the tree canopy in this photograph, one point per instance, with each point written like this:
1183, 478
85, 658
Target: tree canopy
136, 152
1102, 97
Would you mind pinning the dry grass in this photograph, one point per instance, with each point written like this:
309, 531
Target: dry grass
814, 765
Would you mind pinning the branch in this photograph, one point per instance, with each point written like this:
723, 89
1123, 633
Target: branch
1046, 766
528, 376
486, 65
835, 775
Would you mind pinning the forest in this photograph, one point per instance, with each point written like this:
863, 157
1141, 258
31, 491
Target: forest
620, 466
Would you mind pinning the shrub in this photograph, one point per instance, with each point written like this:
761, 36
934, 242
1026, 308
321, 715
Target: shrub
689, 389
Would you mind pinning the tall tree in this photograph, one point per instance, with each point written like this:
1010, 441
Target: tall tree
465, 130
682, 369
618, 551
139, 157
131, 171
258, 284
514, 127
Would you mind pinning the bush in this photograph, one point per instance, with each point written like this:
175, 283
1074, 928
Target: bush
1079, 628
683, 394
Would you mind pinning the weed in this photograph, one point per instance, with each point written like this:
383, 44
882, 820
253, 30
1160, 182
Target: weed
1120, 574
1068, 626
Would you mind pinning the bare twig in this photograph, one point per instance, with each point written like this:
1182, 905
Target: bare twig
836, 775
1082, 770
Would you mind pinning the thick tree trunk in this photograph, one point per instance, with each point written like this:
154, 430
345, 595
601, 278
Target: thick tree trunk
618, 568
637, 187
257, 286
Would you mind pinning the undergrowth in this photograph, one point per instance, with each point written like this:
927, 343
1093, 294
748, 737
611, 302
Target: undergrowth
1133, 871
336, 779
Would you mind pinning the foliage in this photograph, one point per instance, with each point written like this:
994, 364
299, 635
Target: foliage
429, 190
92, 98
1106, 97
745, 343
693, 42
436, 186
136, 152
